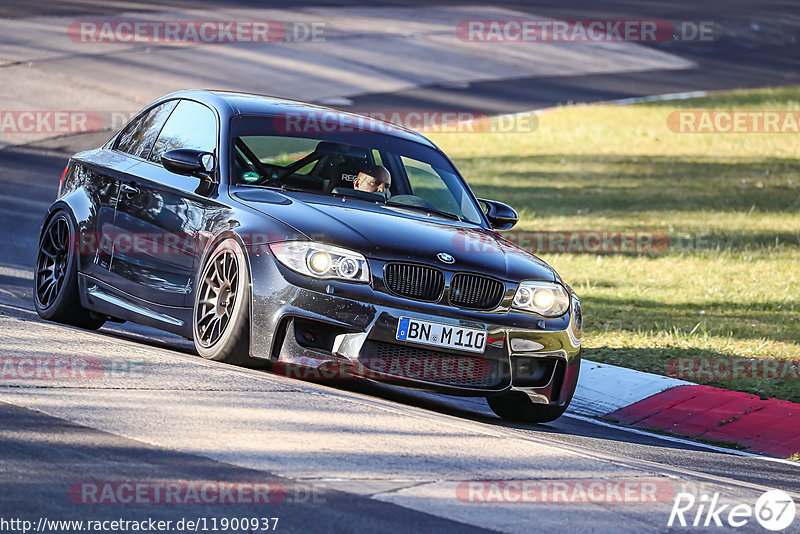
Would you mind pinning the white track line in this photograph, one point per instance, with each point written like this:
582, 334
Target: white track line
683, 441
16, 273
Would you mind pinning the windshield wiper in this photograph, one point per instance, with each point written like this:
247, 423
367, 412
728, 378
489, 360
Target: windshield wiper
441, 213
301, 190
283, 187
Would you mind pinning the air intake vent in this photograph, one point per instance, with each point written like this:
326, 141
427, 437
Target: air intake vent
414, 281
474, 291
424, 365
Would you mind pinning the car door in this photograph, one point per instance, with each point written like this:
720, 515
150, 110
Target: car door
109, 169
160, 213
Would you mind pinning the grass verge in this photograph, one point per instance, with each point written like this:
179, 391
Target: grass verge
728, 285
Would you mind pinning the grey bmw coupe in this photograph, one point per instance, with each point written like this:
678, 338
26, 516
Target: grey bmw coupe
274, 231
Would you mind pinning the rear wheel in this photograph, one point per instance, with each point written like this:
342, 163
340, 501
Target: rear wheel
221, 324
56, 279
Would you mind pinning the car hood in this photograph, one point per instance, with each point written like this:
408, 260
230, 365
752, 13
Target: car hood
393, 233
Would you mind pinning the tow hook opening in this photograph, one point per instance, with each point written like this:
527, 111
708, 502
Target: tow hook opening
532, 372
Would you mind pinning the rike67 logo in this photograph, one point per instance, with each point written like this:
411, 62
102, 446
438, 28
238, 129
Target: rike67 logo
774, 510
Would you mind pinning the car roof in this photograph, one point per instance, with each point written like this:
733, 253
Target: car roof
229, 103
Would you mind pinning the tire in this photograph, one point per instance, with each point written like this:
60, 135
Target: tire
517, 406
55, 292
221, 316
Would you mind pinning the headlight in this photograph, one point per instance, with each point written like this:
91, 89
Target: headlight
321, 261
545, 298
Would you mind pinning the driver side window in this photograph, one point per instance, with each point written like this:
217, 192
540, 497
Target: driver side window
191, 125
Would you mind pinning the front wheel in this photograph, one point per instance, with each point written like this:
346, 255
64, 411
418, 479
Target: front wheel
221, 322
56, 279
517, 406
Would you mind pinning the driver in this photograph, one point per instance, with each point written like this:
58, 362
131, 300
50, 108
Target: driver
373, 179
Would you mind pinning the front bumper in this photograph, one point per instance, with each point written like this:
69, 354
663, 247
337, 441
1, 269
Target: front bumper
323, 324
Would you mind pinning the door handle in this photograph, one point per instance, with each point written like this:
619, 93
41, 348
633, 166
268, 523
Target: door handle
129, 190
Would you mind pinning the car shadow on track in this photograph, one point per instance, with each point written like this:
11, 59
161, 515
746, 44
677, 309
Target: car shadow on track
467, 408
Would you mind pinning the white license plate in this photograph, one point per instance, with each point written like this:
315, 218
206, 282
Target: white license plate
441, 335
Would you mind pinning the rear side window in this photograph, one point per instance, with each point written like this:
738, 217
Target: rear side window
191, 125
139, 136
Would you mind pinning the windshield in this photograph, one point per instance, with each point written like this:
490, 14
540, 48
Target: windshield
378, 168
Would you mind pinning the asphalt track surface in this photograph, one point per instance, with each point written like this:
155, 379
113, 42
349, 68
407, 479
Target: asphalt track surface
41, 453
30, 177
741, 58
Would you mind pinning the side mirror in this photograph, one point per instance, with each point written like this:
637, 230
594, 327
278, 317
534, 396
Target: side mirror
501, 216
189, 162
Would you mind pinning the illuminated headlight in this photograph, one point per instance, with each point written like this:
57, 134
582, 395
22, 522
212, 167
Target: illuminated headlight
545, 298
321, 261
